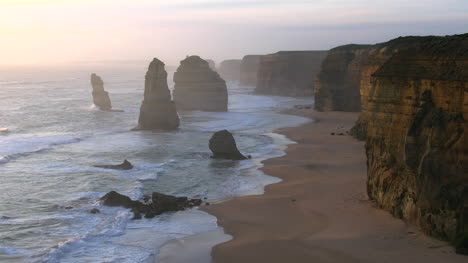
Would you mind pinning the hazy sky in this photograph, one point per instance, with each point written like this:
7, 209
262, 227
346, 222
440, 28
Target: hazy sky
43, 31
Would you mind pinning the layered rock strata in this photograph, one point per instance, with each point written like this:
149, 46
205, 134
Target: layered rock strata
158, 111
249, 70
337, 84
100, 96
197, 87
289, 73
416, 111
230, 69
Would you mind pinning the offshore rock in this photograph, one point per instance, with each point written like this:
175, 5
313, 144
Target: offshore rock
249, 70
126, 165
100, 96
160, 203
198, 87
416, 111
289, 73
230, 69
338, 82
212, 64
223, 146
158, 111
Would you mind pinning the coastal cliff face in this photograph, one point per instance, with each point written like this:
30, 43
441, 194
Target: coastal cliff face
337, 84
415, 115
249, 70
158, 111
289, 73
198, 87
100, 96
230, 69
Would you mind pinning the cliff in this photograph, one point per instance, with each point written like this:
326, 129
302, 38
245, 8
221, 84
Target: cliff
230, 69
197, 87
337, 84
289, 73
211, 63
415, 113
249, 70
158, 111
100, 96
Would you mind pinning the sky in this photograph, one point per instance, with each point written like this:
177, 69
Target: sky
66, 31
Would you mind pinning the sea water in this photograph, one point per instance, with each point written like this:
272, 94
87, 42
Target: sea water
55, 135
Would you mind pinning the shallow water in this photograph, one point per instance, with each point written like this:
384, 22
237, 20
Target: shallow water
48, 182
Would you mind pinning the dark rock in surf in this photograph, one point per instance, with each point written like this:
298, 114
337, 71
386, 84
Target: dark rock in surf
126, 165
100, 96
94, 211
158, 111
160, 203
223, 146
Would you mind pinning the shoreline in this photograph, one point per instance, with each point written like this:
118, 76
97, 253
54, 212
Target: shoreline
319, 211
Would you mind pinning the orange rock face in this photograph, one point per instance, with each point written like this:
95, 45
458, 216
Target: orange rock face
415, 110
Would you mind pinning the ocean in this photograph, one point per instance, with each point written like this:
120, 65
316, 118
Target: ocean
55, 135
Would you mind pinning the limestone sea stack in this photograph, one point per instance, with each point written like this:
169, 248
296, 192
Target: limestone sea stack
417, 141
100, 96
338, 82
198, 87
249, 70
158, 111
289, 73
230, 69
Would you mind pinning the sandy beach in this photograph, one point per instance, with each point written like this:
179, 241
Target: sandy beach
320, 211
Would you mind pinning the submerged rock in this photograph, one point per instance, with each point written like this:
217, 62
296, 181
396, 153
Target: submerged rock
198, 87
100, 96
158, 111
126, 165
160, 203
223, 146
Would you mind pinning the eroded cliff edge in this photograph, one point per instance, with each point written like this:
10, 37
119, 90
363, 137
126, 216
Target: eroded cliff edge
337, 84
289, 73
415, 110
249, 69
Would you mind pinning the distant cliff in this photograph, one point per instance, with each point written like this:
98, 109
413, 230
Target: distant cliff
337, 84
289, 73
249, 70
230, 69
415, 110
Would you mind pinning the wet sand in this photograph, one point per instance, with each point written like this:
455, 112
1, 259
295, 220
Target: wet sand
320, 211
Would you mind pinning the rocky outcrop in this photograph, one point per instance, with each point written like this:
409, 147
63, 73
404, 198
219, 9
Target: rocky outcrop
249, 70
197, 87
223, 146
230, 69
100, 96
289, 73
158, 111
126, 165
415, 114
159, 203
337, 84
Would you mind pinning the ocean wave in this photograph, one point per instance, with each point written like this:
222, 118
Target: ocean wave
14, 146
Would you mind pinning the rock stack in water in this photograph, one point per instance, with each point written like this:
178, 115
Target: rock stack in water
100, 96
223, 146
230, 69
158, 111
198, 87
